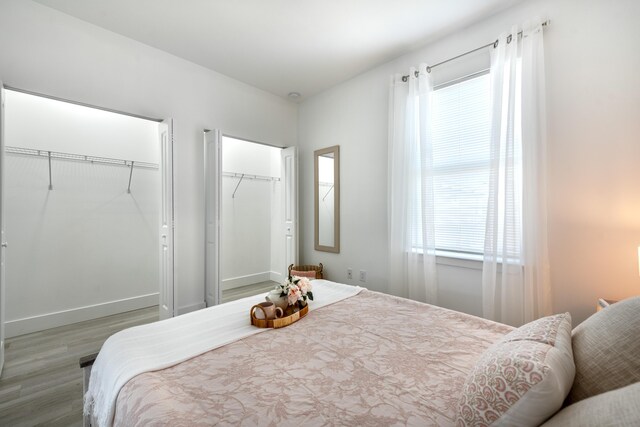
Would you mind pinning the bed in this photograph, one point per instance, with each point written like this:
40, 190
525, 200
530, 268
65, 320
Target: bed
366, 359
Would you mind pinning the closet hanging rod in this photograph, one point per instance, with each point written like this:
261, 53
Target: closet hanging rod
493, 43
130, 176
78, 157
50, 182
233, 196
247, 176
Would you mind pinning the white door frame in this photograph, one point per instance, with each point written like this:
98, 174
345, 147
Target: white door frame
3, 245
213, 221
169, 195
166, 304
212, 191
289, 179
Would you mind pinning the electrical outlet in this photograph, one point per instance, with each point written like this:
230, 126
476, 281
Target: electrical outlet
363, 276
349, 274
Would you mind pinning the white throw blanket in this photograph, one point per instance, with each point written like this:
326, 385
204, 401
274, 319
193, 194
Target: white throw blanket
163, 344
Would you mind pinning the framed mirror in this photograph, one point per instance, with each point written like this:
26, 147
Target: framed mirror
326, 165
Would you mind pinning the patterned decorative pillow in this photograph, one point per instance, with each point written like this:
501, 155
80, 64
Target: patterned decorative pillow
543, 330
522, 379
308, 274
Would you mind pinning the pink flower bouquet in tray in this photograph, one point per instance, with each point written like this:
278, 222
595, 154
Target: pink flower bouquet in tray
297, 290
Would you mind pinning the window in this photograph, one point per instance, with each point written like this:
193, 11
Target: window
461, 132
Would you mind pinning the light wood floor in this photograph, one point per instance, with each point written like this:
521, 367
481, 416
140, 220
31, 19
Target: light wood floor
247, 291
41, 383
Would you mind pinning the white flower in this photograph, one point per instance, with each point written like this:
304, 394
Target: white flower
305, 285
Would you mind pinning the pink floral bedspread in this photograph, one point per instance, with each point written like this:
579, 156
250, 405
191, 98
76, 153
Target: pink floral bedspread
372, 359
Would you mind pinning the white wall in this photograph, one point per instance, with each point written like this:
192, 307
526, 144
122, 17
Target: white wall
593, 93
46, 124
83, 250
245, 239
87, 248
249, 249
46, 51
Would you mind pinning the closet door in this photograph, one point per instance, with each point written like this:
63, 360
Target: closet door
290, 196
212, 190
3, 246
167, 308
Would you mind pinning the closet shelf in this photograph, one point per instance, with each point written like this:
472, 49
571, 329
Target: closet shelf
248, 176
78, 157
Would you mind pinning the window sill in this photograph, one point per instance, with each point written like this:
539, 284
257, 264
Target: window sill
456, 259
461, 260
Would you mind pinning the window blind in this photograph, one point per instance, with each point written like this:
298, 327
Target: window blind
461, 129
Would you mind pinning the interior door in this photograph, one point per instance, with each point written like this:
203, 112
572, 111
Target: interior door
212, 189
3, 246
289, 178
167, 301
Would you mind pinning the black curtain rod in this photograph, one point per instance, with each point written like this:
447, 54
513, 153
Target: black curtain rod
494, 44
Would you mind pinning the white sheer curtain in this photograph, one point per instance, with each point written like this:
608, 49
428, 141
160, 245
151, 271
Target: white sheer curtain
515, 276
412, 264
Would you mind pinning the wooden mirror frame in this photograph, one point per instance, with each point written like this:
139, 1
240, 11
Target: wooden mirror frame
336, 204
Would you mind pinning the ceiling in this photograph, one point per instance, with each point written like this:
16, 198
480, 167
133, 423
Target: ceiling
283, 46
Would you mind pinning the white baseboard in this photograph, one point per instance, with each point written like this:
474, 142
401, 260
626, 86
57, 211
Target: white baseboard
250, 279
190, 308
41, 322
275, 276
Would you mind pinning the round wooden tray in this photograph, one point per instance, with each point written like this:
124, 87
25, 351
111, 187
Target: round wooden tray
278, 323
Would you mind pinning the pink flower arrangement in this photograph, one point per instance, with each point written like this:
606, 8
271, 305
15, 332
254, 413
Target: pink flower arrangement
294, 295
297, 290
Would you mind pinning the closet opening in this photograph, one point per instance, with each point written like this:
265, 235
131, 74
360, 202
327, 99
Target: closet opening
84, 194
251, 216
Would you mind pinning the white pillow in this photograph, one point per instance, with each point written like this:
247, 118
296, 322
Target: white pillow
619, 407
523, 379
606, 350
